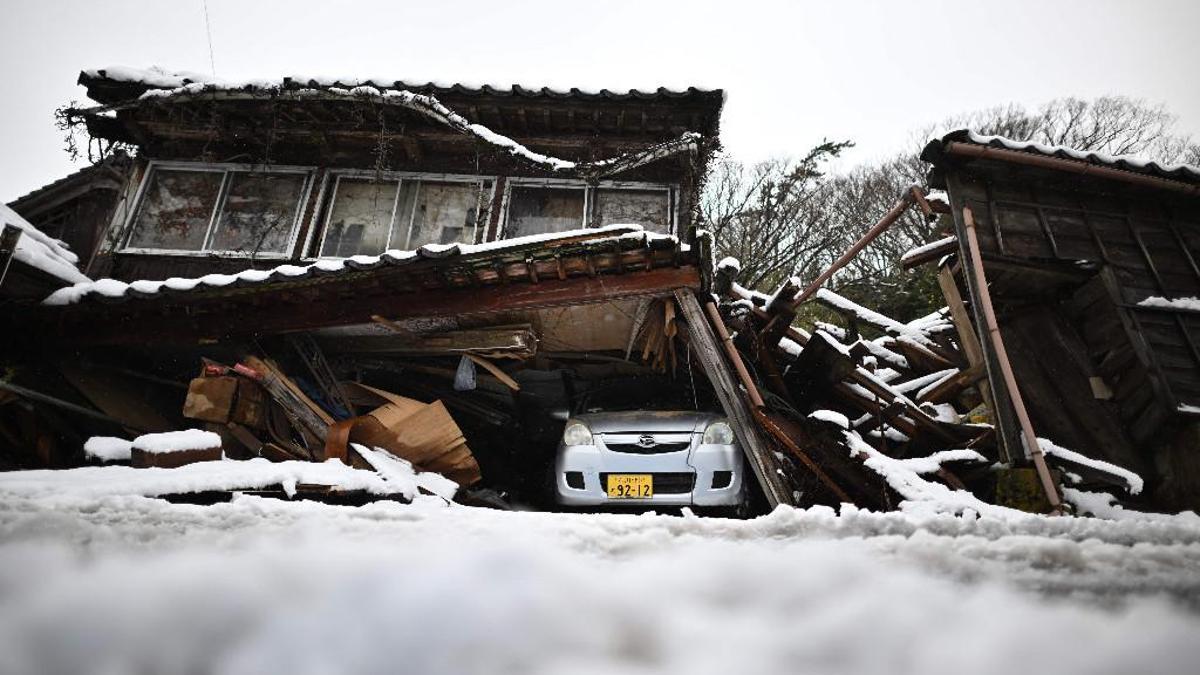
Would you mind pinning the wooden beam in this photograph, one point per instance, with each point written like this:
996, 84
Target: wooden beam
1002, 411
773, 426
759, 453
983, 305
968, 342
495, 371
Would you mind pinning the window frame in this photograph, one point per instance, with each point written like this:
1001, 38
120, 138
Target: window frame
329, 188
589, 198
226, 169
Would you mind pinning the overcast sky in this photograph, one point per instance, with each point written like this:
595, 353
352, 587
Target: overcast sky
794, 72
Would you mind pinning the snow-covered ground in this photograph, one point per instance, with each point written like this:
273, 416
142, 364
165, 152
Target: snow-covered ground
122, 584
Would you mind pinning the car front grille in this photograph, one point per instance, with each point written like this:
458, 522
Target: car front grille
657, 449
664, 483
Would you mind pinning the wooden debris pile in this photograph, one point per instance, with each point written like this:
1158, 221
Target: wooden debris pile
254, 409
268, 414
867, 386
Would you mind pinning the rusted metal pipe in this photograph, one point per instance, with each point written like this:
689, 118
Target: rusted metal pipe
735, 358
961, 149
906, 200
1010, 381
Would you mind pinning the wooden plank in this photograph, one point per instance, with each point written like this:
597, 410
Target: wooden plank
1010, 446
950, 387
968, 341
495, 371
945, 248
759, 454
299, 407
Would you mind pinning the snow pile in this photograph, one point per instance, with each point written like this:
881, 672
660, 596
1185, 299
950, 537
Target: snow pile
1189, 304
923, 496
255, 586
112, 288
399, 472
176, 441
832, 417
37, 250
392, 476
731, 264
108, 449
917, 334
1133, 482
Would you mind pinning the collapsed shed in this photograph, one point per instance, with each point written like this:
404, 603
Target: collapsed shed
1091, 261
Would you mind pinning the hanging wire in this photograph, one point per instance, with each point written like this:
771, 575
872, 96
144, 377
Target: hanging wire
212, 64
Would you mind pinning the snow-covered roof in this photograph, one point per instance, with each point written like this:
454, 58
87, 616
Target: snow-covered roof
114, 290
124, 88
104, 169
156, 77
45, 253
1184, 172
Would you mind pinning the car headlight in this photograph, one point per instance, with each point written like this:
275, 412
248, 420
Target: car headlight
577, 433
718, 433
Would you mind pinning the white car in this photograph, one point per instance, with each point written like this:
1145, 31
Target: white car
649, 458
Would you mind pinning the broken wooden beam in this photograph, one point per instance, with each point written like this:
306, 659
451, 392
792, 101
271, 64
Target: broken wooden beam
759, 453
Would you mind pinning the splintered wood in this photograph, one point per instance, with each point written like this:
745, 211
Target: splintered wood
659, 331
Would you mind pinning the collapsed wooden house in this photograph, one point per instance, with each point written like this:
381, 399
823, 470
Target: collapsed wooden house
380, 233
303, 265
1090, 260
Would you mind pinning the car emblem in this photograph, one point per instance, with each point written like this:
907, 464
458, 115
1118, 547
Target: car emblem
647, 441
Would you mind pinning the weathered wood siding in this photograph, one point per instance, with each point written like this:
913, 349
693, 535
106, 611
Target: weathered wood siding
1069, 258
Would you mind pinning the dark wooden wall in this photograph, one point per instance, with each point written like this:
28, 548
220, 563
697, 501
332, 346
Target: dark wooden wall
1068, 259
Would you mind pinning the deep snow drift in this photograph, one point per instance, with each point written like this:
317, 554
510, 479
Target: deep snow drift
114, 584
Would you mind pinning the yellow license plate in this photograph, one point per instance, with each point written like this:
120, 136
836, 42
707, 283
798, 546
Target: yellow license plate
630, 486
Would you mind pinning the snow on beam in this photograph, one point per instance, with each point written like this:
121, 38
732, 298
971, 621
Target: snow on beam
884, 323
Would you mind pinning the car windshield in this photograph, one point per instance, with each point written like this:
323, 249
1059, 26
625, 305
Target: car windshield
636, 394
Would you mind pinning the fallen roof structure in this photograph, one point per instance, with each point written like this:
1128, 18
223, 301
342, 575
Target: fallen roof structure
1073, 248
32, 264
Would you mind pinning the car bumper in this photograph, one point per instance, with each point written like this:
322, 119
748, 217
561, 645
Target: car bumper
701, 462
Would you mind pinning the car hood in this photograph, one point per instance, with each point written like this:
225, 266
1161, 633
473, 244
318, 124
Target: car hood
647, 421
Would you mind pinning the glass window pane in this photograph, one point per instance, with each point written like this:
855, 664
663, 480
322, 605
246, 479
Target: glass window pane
176, 209
359, 218
404, 213
536, 210
258, 213
648, 208
445, 213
